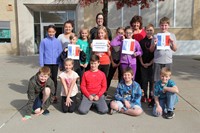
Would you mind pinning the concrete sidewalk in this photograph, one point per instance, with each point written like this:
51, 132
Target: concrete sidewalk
15, 72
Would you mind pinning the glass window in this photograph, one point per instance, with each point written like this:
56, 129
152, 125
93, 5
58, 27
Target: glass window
5, 33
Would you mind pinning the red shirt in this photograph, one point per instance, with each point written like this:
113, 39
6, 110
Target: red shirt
140, 35
93, 83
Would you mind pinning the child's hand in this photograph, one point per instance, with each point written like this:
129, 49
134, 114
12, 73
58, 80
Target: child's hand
91, 98
26, 117
155, 41
96, 98
127, 104
159, 110
171, 41
68, 101
39, 113
66, 49
85, 65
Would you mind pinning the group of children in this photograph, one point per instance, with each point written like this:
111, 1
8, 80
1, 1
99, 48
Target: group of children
93, 71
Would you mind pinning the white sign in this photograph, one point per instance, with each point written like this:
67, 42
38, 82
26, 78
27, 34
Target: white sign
163, 41
73, 51
128, 46
100, 45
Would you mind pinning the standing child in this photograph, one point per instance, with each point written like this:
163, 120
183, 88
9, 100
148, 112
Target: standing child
103, 56
83, 41
146, 61
50, 50
40, 92
128, 95
127, 60
165, 95
69, 88
93, 86
115, 57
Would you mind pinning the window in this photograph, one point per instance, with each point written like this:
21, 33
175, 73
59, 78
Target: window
5, 35
172, 9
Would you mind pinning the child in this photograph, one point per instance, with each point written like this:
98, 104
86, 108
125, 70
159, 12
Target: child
127, 60
73, 39
146, 61
40, 92
69, 88
163, 58
93, 86
128, 95
50, 49
103, 56
115, 58
165, 95
83, 41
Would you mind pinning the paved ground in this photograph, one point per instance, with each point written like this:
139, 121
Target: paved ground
15, 72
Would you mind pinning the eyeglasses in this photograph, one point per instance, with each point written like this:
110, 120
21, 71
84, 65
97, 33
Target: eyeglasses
100, 18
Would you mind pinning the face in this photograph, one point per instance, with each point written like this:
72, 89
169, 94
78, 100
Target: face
99, 20
84, 34
136, 25
74, 40
150, 31
120, 32
127, 76
43, 77
129, 34
94, 65
68, 66
68, 28
51, 32
164, 78
164, 27
101, 34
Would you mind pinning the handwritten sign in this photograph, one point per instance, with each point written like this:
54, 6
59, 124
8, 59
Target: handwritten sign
100, 45
73, 51
163, 41
128, 46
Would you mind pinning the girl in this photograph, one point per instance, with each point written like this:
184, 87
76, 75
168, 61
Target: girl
104, 56
83, 42
50, 49
127, 60
115, 57
69, 87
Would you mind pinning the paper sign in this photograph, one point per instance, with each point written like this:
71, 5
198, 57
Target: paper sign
163, 41
128, 46
100, 45
73, 51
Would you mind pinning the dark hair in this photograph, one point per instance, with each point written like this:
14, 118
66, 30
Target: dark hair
94, 58
135, 19
128, 27
99, 14
69, 59
51, 26
69, 22
72, 35
128, 69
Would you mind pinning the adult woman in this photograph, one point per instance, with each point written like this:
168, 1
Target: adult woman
138, 34
99, 22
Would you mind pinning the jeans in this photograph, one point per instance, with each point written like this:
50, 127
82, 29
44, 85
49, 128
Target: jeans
167, 104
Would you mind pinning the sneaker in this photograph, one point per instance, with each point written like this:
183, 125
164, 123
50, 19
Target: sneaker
112, 111
144, 99
46, 112
170, 115
148, 100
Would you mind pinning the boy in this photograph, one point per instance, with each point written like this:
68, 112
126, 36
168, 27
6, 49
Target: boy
40, 93
93, 86
165, 95
147, 63
128, 95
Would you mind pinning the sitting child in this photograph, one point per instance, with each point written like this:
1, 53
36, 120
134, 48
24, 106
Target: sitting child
40, 93
165, 95
128, 95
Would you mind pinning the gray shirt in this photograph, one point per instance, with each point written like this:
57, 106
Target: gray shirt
164, 56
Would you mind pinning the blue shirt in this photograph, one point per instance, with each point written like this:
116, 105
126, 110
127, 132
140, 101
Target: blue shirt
50, 50
158, 89
131, 93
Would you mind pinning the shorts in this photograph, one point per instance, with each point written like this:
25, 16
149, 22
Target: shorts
121, 105
37, 103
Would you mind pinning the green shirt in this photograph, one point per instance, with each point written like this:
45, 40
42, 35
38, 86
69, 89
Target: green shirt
84, 45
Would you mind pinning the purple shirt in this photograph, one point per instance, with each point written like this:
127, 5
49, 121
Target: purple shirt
125, 58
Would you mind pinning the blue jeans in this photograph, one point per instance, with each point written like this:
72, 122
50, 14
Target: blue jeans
167, 104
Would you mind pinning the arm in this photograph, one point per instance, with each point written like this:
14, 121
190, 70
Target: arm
118, 96
173, 89
103, 86
153, 44
31, 97
136, 100
173, 45
41, 56
138, 49
158, 107
83, 86
117, 41
64, 85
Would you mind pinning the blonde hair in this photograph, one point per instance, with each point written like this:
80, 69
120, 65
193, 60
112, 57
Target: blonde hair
69, 60
149, 25
81, 30
165, 71
164, 20
45, 70
72, 35
104, 29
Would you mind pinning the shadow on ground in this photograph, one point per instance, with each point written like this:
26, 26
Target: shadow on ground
19, 88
